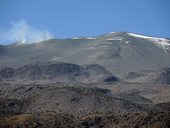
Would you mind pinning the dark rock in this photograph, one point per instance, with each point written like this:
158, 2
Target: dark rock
59, 72
164, 77
111, 79
133, 75
29, 71
6, 72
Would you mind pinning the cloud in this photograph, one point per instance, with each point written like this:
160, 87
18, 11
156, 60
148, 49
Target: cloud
24, 33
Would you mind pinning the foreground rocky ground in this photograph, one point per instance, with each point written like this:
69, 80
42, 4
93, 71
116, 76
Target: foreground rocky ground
53, 120
64, 105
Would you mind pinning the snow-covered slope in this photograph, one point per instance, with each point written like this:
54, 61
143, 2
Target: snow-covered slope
161, 42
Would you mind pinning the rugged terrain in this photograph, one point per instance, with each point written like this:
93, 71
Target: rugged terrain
115, 80
62, 105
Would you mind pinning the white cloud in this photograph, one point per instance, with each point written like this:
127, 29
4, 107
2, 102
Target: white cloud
24, 33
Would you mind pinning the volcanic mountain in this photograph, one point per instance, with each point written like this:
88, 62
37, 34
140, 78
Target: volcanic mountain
113, 80
131, 57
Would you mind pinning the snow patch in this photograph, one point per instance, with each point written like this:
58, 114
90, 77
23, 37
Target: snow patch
91, 48
103, 43
56, 58
91, 38
164, 45
140, 36
75, 38
126, 42
110, 33
97, 47
115, 38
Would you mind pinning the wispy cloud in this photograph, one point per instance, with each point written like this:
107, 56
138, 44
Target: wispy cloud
24, 33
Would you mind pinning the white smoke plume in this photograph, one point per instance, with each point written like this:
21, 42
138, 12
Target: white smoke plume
23, 33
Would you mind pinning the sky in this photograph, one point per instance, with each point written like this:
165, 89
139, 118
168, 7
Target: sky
34, 20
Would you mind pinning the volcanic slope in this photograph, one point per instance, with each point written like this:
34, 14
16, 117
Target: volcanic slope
118, 52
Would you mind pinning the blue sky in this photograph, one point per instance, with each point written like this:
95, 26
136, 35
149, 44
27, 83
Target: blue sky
69, 18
